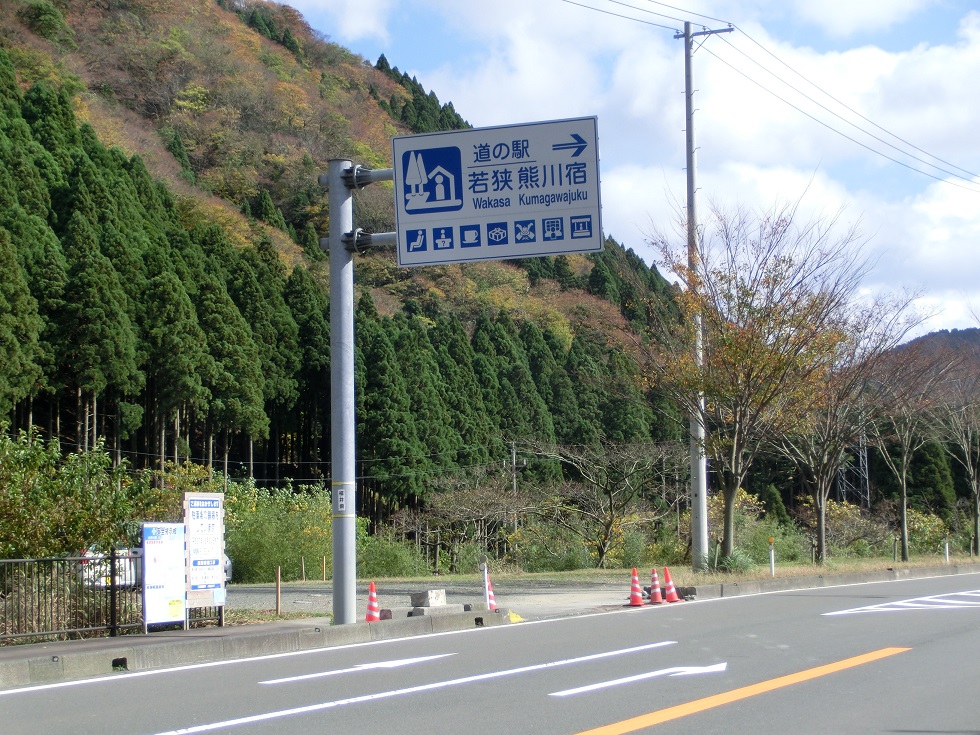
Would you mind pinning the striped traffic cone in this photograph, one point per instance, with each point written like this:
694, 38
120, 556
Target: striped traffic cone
669, 587
373, 612
491, 600
655, 597
636, 594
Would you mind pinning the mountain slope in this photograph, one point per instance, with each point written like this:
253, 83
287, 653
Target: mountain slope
158, 164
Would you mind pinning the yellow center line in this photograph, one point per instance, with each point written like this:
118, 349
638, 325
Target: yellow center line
700, 705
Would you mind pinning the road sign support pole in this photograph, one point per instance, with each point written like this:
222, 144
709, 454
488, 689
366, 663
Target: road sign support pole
343, 240
699, 469
342, 426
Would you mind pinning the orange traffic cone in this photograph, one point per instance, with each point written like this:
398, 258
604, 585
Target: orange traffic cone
491, 601
655, 597
636, 594
373, 612
669, 587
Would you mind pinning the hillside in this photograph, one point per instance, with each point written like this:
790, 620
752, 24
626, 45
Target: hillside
956, 341
163, 288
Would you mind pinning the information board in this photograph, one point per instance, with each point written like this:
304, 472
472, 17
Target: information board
164, 573
204, 516
513, 191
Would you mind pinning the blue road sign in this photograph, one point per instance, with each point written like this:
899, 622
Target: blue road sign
514, 191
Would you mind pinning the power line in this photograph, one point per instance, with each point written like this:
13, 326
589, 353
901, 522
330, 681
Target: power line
830, 127
849, 109
625, 17
843, 135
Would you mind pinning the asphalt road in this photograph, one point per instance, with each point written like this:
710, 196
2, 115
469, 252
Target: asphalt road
891, 657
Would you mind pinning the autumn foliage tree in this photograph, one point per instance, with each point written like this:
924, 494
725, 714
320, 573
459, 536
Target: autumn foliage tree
770, 290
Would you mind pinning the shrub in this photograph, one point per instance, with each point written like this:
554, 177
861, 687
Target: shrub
790, 544
927, 533
738, 561
52, 504
851, 531
382, 556
543, 548
265, 529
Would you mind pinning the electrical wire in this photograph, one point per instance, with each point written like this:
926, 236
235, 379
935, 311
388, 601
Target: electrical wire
625, 17
842, 134
830, 127
850, 109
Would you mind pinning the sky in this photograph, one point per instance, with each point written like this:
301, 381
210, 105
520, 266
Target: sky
864, 108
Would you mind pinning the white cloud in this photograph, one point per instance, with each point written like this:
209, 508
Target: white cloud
842, 18
353, 19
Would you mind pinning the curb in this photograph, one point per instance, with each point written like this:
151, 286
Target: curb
756, 587
42, 663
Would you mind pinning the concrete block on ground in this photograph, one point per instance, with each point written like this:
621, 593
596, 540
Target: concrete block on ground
429, 598
96, 663
434, 611
484, 619
14, 673
260, 645
342, 635
390, 629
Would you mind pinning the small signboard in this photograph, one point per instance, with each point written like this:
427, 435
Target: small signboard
164, 573
204, 516
514, 191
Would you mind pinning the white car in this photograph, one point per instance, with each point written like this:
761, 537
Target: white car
96, 568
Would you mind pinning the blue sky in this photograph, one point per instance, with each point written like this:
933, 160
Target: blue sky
903, 67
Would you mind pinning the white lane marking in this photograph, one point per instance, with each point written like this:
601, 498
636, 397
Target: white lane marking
359, 667
949, 601
408, 690
116, 677
675, 671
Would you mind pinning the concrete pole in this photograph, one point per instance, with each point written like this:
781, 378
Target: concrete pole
342, 396
699, 470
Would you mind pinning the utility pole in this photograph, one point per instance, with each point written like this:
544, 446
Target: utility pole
699, 469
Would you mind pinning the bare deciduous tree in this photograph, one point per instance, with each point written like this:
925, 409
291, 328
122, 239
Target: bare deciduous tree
904, 394
613, 480
836, 409
957, 419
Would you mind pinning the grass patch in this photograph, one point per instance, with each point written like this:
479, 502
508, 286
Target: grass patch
254, 617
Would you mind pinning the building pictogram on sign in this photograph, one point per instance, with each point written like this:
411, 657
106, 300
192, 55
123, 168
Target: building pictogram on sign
432, 180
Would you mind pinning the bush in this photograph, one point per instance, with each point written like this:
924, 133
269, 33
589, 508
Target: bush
738, 561
543, 548
790, 544
382, 556
265, 529
53, 504
927, 533
632, 549
851, 531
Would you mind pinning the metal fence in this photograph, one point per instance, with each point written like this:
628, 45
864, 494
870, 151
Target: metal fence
83, 596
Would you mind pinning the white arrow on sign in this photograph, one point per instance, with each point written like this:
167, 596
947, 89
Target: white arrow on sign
360, 667
675, 671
